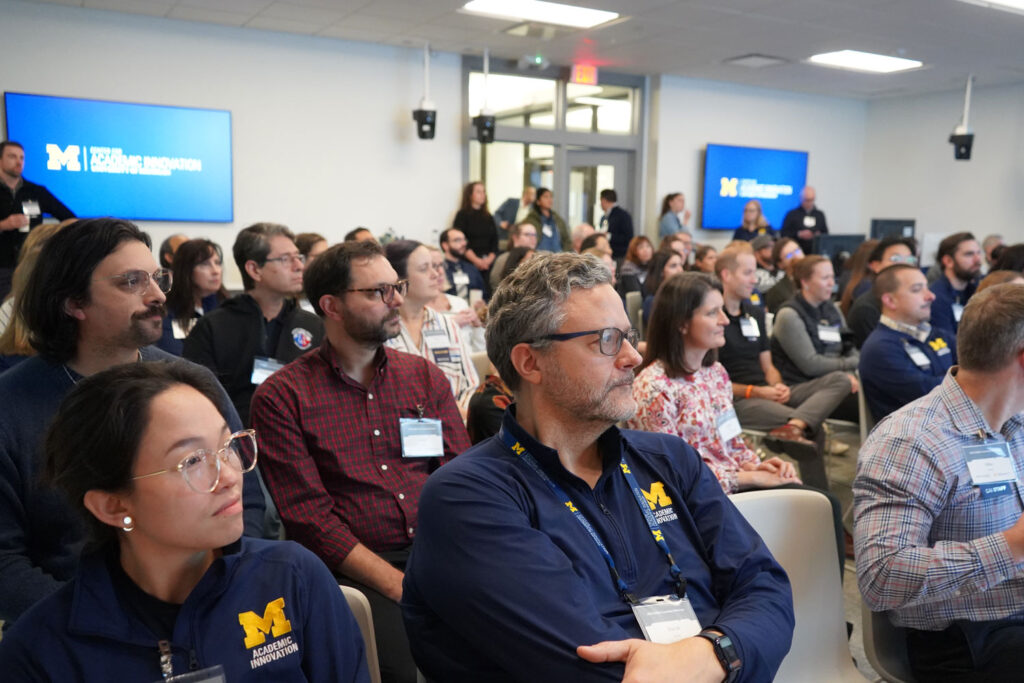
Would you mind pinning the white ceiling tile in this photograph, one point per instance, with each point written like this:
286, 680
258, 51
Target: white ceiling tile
303, 13
157, 8
250, 6
210, 16
284, 25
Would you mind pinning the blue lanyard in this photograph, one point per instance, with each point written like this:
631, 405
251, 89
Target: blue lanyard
641, 501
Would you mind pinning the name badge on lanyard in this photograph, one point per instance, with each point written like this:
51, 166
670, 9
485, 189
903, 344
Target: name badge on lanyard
666, 618
749, 327
958, 311
829, 334
262, 368
918, 356
548, 232
991, 467
728, 425
810, 221
460, 278
421, 437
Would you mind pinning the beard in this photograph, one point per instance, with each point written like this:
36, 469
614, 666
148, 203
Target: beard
143, 330
373, 333
964, 274
607, 404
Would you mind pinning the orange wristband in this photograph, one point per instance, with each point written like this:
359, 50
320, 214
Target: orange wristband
750, 390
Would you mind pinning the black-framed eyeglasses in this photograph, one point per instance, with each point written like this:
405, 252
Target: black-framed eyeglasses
287, 259
201, 469
609, 342
137, 281
386, 290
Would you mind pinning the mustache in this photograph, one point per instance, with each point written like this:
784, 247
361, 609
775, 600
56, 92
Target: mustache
159, 309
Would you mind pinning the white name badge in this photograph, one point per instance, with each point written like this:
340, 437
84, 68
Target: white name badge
829, 333
435, 339
548, 232
214, 674
989, 462
917, 355
666, 619
460, 278
31, 208
728, 425
262, 368
958, 310
475, 296
749, 327
810, 221
421, 437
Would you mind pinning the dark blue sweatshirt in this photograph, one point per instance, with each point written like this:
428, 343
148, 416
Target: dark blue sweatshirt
891, 378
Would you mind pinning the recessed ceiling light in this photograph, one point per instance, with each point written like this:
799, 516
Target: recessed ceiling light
864, 61
1016, 6
755, 61
538, 10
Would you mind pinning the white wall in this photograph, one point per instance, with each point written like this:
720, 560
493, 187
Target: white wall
911, 172
692, 113
323, 132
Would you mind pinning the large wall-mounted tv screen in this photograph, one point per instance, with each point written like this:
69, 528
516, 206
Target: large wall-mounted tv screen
735, 175
136, 161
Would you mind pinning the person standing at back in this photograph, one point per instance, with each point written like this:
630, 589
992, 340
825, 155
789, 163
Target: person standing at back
477, 224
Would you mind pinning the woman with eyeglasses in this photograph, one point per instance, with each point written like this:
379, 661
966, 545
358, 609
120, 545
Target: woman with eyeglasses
424, 332
754, 224
682, 389
197, 287
167, 585
455, 307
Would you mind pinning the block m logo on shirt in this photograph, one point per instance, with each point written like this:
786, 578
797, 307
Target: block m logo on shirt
57, 158
656, 497
273, 621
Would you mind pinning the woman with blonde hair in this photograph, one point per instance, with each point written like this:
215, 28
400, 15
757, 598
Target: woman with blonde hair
754, 223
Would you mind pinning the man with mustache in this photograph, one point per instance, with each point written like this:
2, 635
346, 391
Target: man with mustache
349, 434
553, 548
249, 337
960, 258
95, 300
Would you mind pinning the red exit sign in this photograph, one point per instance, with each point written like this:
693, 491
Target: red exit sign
584, 74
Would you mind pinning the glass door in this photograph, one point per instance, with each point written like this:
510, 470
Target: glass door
590, 172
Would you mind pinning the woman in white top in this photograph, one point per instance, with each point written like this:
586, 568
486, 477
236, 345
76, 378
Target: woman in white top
455, 307
424, 332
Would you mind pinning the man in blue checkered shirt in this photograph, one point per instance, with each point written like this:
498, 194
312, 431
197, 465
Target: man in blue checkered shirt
937, 506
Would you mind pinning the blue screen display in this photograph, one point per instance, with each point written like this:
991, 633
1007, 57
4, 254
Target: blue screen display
735, 175
136, 161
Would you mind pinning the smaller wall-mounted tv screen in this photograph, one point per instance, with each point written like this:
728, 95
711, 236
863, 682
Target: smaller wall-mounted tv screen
735, 175
136, 161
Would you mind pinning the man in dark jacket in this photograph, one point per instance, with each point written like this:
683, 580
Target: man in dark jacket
252, 335
617, 223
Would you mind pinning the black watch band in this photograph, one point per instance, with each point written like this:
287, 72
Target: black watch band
726, 653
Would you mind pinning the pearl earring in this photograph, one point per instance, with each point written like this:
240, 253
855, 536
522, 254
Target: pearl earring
128, 523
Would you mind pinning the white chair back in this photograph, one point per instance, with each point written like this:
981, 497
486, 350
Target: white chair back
797, 528
360, 607
482, 364
886, 646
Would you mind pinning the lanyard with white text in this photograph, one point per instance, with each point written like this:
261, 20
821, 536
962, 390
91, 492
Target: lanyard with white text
659, 537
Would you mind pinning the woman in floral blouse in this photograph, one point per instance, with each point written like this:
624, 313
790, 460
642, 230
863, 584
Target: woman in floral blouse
683, 390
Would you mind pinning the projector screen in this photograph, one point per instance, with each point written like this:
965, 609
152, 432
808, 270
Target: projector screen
735, 175
136, 161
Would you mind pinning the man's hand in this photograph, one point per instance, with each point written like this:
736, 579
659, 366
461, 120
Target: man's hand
15, 221
805, 234
686, 216
488, 260
690, 659
783, 392
773, 393
1015, 539
854, 384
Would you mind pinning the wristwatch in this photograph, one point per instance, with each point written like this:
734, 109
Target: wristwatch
725, 652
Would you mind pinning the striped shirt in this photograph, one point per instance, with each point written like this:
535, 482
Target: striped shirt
929, 548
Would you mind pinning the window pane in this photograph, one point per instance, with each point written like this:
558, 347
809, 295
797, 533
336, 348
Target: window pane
514, 100
506, 167
609, 108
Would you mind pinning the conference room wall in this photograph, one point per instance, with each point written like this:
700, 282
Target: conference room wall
323, 133
912, 172
691, 113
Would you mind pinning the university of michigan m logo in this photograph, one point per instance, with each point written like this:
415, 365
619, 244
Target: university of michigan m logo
66, 158
729, 187
657, 498
273, 621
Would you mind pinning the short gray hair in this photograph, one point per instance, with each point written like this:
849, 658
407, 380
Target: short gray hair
530, 303
991, 332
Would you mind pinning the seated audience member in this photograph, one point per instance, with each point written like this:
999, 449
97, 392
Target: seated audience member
595, 239
1010, 258
197, 287
767, 272
663, 265
521, 235
807, 339
1000, 277
580, 233
866, 309
169, 246
348, 435
516, 256
14, 344
94, 300
467, 319
989, 245
904, 357
512, 212
937, 514
704, 259
785, 253
683, 390
552, 233
794, 413
674, 215
805, 221
477, 224
681, 243
754, 224
960, 259
487, 407
616, 223
424, 332
857, 275
634, 267
251, 336
310, 245
168, 578
605, 257
504, 584
359, 234
466, 281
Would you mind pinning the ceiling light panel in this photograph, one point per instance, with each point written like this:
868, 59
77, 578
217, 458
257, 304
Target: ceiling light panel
1016, 6
538, 10
854, 60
